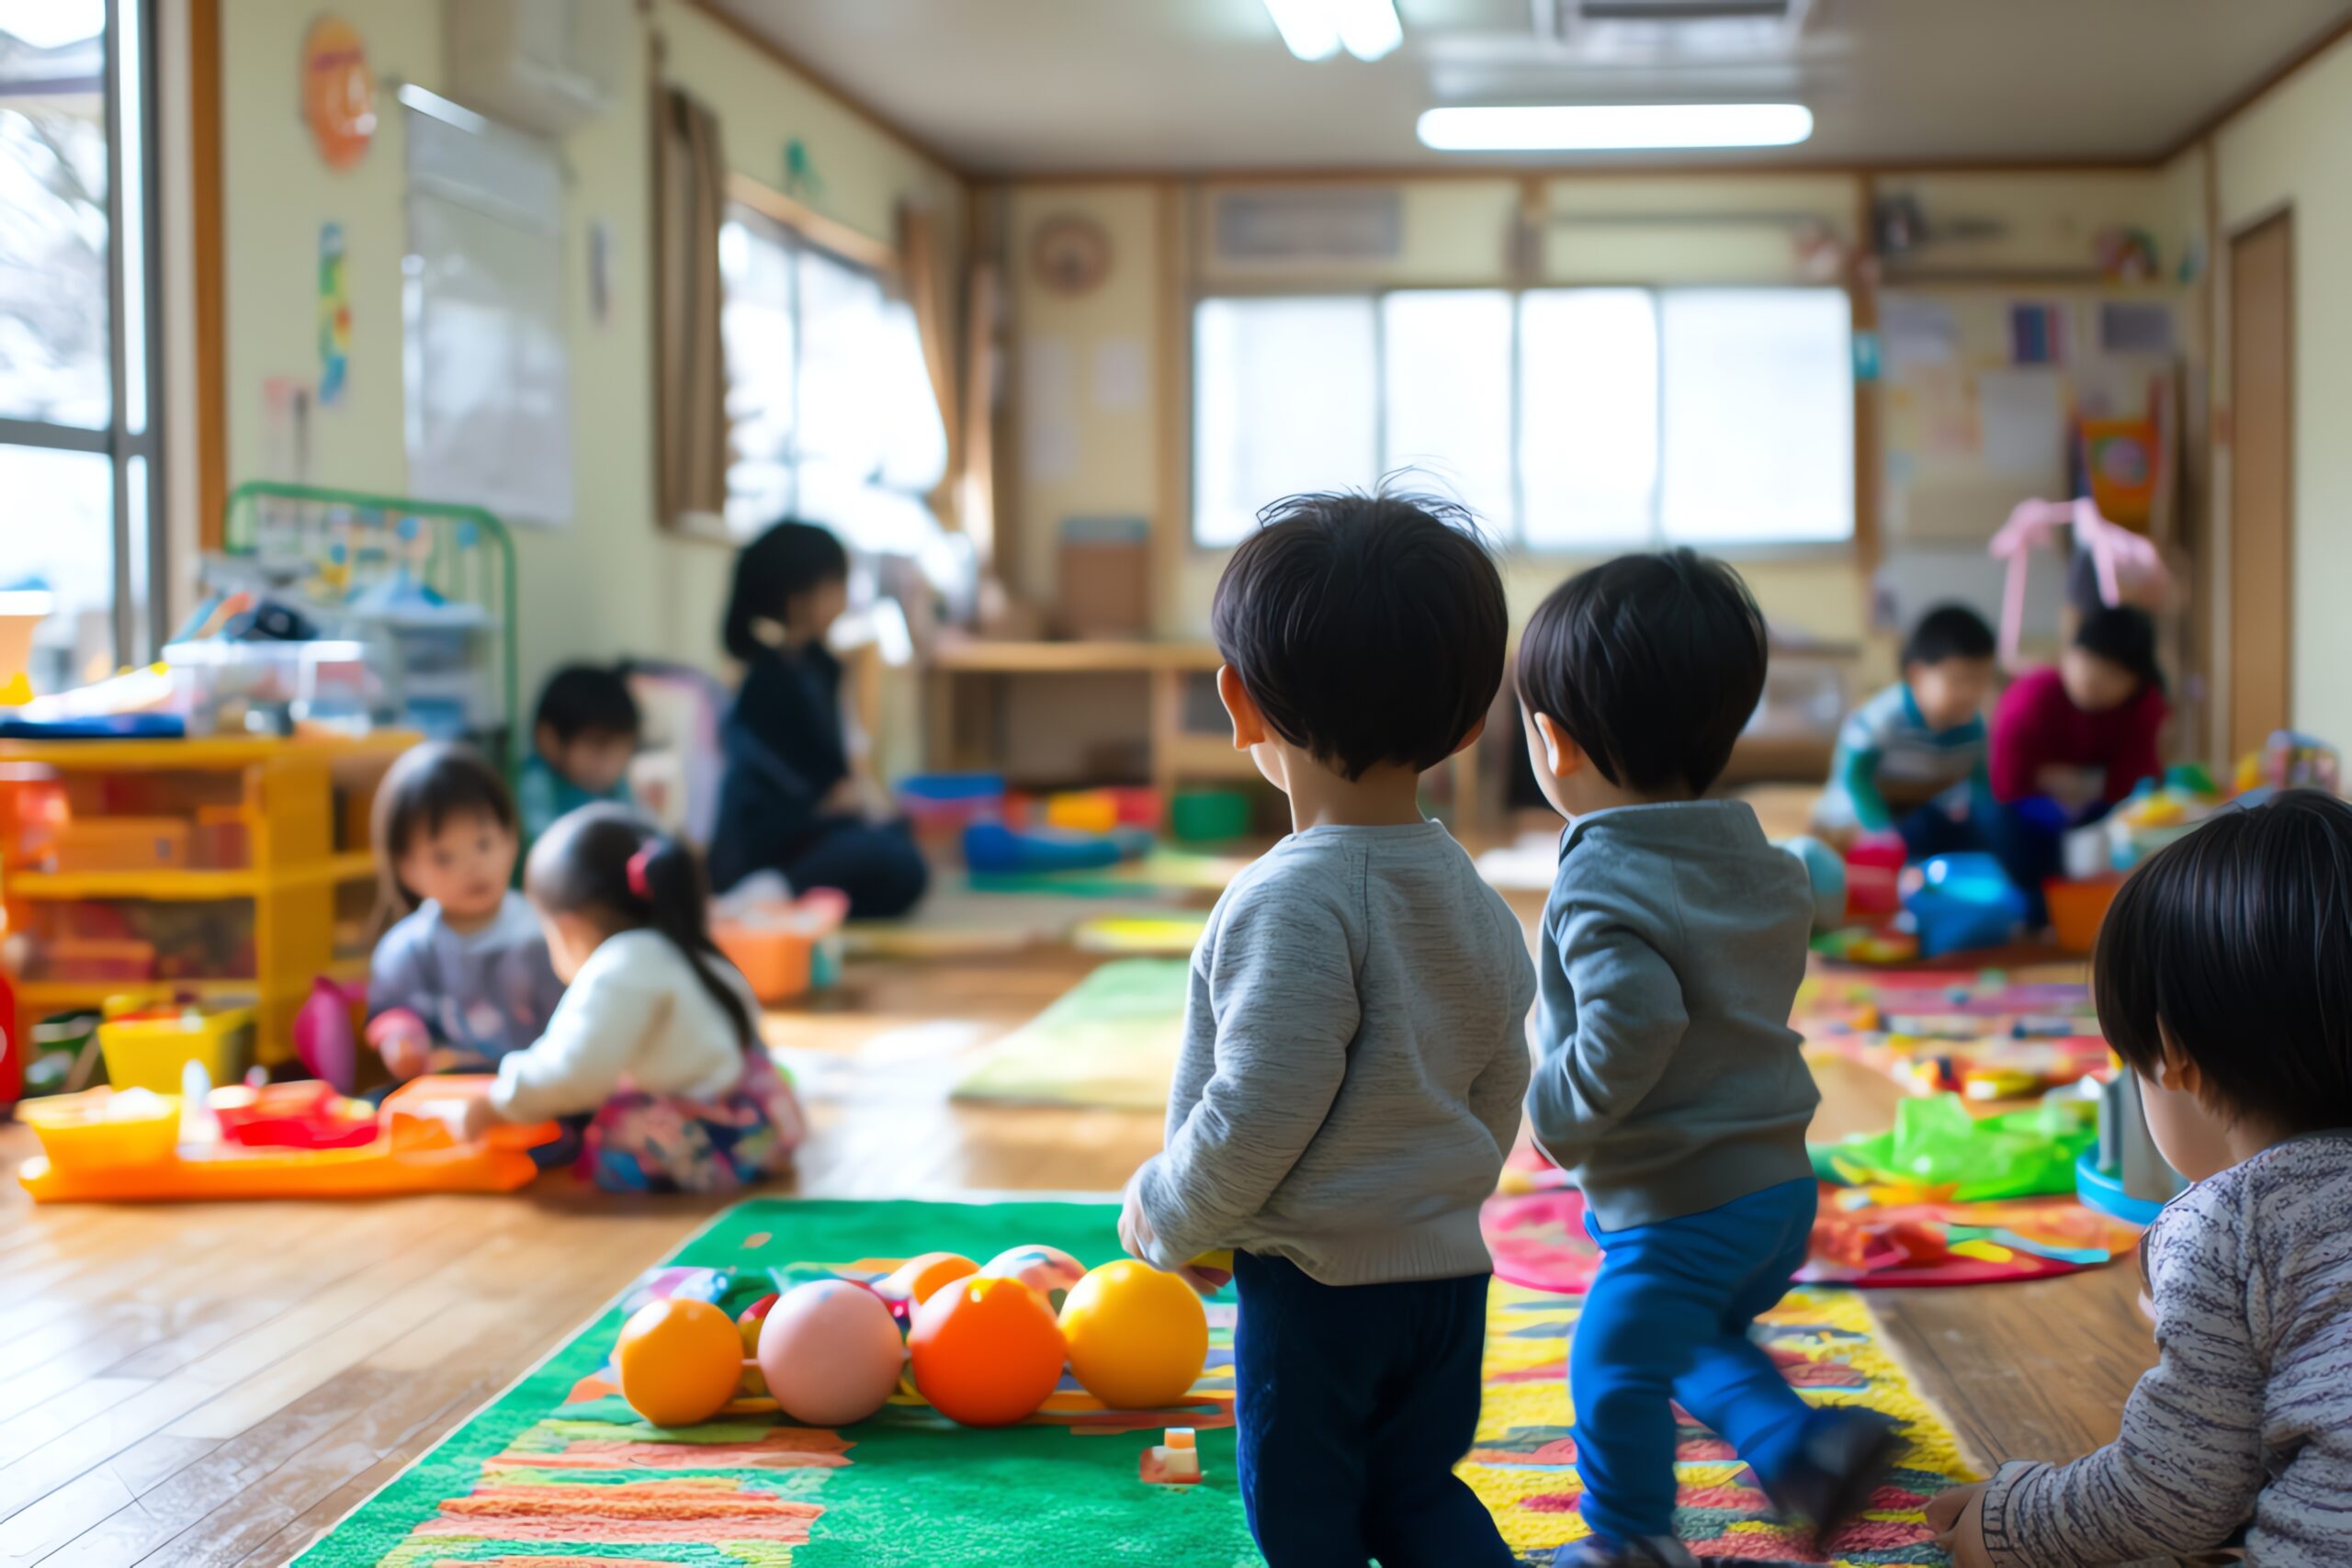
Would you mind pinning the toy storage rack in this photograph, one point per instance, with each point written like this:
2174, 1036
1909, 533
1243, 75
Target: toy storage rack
304, 806
468, 558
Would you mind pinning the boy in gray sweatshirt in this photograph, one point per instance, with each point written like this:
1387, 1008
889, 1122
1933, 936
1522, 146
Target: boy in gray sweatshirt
1355, 1042
1669, 1083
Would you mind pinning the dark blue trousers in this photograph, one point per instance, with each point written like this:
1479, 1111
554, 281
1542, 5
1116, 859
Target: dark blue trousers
1352, 1404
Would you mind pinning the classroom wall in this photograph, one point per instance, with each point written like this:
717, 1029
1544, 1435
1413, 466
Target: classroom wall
612, 582
2287, 148
1081, 456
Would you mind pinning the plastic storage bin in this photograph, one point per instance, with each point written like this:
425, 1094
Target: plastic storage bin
2078, 908
104, 1127
121, 843
148, 1049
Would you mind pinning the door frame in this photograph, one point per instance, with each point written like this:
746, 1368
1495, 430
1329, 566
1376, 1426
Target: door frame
2224, 649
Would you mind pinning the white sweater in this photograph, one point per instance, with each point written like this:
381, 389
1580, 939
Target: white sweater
635, 1015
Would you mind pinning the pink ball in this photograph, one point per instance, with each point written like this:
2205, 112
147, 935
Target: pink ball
1048, 1270
830, 1353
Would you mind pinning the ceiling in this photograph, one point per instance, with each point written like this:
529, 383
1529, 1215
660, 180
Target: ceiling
1009, 87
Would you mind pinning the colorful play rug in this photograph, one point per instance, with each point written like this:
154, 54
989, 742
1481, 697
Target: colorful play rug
1987, 1034
557, 1469
1110, 1041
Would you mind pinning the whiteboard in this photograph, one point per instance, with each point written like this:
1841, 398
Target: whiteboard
487, 369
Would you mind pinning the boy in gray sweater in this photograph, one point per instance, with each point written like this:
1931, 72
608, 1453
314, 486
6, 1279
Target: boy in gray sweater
1355, 1041
1669, 1083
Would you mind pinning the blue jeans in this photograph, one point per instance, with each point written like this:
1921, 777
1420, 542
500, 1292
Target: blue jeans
1666, 1318
1352, 1406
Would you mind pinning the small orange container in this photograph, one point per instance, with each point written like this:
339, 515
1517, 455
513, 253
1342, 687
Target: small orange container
122, 843
2077, 909
774, 959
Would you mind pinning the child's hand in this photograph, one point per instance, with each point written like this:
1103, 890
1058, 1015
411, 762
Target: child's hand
1135, 1227
1957, 1518
401, 1039
477, 1118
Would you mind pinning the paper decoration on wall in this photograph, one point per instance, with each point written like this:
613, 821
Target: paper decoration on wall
1916, 332
334, 317
800, 179
2022, 415
1119, 375
2038, 334
2121, 457
338, 92
2125, 254
600, 272
1050, 442
2136, 326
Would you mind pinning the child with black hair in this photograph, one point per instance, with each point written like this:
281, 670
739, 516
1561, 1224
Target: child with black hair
1355, 1039
581, 741
2224, 980
2071, 741
1912, 760
462, 977
795, 799
1668, 1082
658, 1035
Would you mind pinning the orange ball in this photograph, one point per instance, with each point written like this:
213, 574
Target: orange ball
987, 1351
679, 1361
917, 1277
1137, 1338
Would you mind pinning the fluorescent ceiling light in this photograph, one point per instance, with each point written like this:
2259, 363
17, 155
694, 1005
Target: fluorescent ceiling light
1315, 29
1574, 128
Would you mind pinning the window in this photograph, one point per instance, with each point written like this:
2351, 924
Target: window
1568, 419
829, 406
77, 310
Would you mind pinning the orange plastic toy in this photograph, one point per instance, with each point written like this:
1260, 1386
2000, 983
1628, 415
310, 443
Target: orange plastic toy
1137, 1338
415, 1153
917, 1280
987, 1351
680, 1361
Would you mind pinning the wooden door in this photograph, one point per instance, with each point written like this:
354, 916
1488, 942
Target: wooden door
2262, 514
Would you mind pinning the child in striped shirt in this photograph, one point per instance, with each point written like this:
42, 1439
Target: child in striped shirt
2223, 979
1912, 760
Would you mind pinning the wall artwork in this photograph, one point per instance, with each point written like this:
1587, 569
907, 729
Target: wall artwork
338, 92
334, 317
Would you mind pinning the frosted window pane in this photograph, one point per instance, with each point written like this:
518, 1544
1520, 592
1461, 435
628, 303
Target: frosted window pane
1760, 416
1447, 397
1588, 443
1282, 403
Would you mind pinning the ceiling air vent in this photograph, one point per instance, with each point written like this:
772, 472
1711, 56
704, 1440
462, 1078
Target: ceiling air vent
1290, 223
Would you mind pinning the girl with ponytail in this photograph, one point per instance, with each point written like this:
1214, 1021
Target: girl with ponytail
657, 1039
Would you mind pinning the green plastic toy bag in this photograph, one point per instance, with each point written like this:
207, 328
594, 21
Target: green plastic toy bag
1936, 1142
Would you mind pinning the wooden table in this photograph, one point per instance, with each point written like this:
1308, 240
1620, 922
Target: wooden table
1177, 753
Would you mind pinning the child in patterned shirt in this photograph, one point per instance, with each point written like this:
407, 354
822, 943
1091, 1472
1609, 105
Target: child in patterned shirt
2223, 979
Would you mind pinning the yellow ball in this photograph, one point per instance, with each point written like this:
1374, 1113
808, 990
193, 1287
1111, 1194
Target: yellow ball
1137, 1338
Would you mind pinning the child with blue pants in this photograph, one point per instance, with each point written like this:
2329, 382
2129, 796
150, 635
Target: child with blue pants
1354, 1044
1669, 1083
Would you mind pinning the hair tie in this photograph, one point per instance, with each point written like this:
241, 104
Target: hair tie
640, 885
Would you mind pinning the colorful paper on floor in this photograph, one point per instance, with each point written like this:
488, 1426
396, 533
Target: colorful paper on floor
956, 922
1168, 936
1986, 1033
557, 1469
1109, 1041
1539, 1240
1163, 871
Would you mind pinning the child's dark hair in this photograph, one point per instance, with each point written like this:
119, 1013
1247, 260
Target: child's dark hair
586, 699
2123, 636
1652, 663
1367, 628
787, 561
1948, 631
2235, 945
612, 865
425, 787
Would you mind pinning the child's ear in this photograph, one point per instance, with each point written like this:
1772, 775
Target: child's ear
1562, 755
2178, 1071
1249, 724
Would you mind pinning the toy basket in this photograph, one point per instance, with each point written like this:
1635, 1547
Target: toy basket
149, 1049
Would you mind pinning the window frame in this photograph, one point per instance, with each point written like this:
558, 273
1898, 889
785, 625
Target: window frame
804, 228
139, 543
1515, 540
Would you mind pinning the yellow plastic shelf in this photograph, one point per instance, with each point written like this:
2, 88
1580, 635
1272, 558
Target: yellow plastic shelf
183, 887
64, 995
201, 753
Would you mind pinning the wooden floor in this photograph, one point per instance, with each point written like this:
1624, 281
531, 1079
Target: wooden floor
218, 1385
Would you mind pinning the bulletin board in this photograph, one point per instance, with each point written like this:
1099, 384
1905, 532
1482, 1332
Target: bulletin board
488, 375
1980, 387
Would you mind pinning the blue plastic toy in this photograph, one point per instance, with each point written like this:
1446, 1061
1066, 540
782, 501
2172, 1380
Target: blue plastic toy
1964, 901
1826, 870
992, 848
